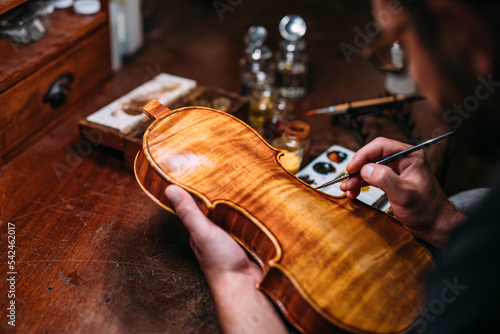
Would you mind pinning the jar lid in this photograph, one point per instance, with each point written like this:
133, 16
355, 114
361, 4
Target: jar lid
87, 7
63, 3
292, 27
255, 36
297, 129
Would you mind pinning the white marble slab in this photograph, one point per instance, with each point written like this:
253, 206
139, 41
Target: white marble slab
124, 113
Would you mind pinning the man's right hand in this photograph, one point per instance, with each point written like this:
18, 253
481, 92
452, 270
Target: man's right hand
416, 197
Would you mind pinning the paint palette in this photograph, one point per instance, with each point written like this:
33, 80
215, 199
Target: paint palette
331, 164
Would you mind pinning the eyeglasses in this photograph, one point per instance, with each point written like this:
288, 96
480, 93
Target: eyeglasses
386, 54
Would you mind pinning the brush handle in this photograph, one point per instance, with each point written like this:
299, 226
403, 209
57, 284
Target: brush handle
406, 152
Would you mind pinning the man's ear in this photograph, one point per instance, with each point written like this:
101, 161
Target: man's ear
466, 32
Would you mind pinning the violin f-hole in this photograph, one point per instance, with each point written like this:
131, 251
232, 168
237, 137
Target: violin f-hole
257, 240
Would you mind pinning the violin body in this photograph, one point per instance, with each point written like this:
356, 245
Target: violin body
331, 264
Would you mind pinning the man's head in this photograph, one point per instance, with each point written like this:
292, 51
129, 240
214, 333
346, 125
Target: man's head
451, 44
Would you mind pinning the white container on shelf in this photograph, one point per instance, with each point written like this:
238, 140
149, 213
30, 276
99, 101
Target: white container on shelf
126, 29
401, 83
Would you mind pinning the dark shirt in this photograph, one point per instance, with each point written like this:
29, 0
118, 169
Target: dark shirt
464, 291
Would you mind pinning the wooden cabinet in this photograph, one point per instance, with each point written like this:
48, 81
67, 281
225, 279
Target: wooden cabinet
40, 83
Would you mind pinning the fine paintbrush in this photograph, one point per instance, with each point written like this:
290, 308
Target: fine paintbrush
390, 158
359, 105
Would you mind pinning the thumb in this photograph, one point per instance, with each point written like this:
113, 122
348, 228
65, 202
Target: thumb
382, 177
185, 207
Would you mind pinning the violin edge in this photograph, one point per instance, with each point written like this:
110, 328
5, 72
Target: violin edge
306, 316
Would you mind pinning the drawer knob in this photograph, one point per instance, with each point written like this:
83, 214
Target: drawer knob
58, 91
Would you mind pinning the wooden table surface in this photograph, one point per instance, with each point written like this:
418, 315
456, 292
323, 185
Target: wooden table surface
93, 253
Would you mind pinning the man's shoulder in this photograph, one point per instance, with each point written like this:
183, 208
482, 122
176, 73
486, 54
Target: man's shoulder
463, 292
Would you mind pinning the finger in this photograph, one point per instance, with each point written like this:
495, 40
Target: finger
187, 210
375, 150
352, 194
354, 187
352, 184
382, 177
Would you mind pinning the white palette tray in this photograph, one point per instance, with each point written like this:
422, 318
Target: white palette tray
331, 164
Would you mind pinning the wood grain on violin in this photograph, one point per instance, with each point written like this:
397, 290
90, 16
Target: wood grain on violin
331, 264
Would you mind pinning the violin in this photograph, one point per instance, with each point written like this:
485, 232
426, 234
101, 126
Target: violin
331, 265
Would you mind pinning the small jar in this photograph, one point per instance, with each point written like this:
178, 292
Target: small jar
300, 130
293, 152
294, 144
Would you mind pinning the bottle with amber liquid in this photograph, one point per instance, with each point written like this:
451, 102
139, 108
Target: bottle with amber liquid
262, 100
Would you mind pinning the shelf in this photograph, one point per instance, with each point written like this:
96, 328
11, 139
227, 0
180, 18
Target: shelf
6, 5
19, 61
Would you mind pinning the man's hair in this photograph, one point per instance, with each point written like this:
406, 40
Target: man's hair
428, 28
481, 128
427, 25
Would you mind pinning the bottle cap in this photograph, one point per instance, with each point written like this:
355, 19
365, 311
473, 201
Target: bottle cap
87, 7
63, 3
255, 36
292, 27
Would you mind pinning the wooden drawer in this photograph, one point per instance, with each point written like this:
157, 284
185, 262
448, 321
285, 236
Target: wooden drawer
25, 110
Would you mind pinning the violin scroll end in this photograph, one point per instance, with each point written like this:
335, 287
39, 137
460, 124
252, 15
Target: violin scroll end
155, 110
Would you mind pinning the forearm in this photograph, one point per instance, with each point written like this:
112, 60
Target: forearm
241, 307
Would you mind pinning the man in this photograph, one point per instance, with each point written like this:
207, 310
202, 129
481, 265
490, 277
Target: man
453, 50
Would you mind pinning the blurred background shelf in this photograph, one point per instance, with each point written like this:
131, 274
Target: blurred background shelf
42, 81
6, 5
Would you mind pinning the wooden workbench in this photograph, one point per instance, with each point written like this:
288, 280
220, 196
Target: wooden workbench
93, 253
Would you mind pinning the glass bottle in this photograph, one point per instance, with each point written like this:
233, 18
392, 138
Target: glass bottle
262, 100
257, 58
292, 59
